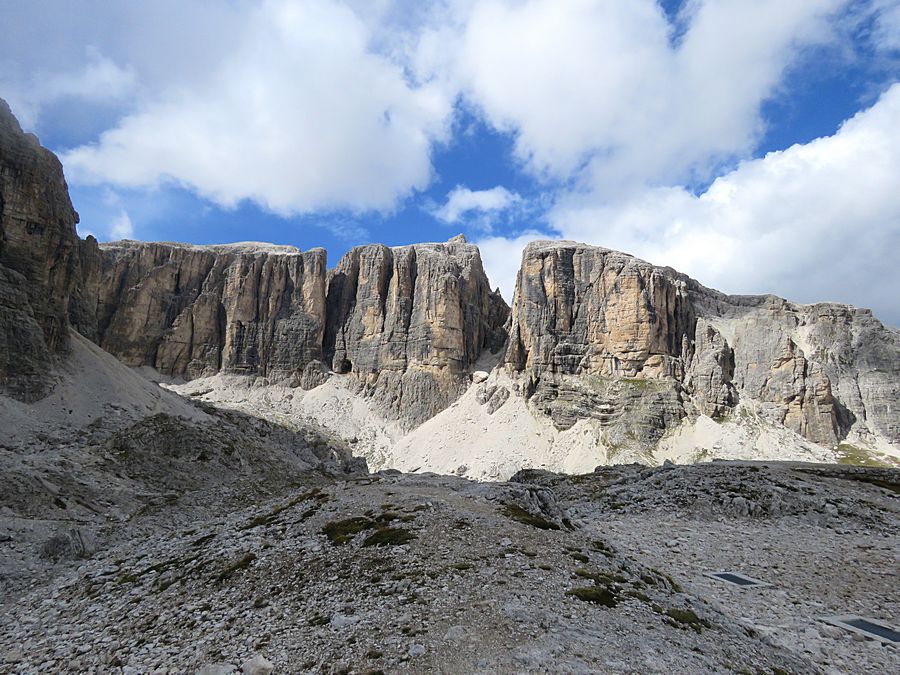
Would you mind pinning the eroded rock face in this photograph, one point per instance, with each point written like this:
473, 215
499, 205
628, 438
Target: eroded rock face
710, 375
822, 370
40, 261
601, 335
586, 310
409, 322
196, 310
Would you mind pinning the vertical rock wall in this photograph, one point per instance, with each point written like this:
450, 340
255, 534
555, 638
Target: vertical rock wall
409, 323
583, 315
40, 261
195, 310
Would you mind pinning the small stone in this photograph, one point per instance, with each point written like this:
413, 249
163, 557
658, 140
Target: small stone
416, 650
342, 620
258, 665
455, 633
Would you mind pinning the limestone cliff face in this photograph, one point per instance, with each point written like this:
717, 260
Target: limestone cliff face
822, 370
192, 311
405, 323
41, 261
600, 334
409, 322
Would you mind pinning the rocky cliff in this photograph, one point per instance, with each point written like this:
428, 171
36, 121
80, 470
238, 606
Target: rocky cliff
406, 323
593, 334
409, 323
191, 311
42, 262
600, 334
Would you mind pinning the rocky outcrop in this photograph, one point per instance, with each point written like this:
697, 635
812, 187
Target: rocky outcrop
409, 323
823, 370
710, 375
406, 323
41, 261
598, 334
191, 311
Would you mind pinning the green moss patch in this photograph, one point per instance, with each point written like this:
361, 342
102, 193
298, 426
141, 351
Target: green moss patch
687, 619
339, 532
241, 563
853, 455
520, 515
599, 595
389, 536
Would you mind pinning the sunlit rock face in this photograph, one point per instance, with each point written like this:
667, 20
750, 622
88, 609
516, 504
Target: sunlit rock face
409, 322
192, 311
600, 334
406, 324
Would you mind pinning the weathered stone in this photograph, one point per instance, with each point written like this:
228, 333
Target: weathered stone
583, 315
492, 396
39, 260
585, 310
197, 310
709, 377
258, 665
314, 373
409, 322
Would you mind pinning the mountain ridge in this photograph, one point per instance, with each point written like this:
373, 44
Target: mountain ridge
592, 335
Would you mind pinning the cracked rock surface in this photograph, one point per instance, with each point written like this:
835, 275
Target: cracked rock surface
425, 573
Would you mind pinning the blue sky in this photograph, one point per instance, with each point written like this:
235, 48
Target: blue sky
754, 144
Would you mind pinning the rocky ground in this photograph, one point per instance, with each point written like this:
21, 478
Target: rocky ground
422, 573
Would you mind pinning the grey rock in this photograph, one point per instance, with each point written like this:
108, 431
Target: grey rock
40, 261
407, 324
197, 310
258, 665
493, 397
74, 543
217, 669
599, 334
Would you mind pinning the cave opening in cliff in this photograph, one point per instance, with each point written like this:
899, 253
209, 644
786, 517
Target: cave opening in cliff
345, 366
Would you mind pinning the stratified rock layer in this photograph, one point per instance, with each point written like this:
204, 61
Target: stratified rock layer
41, 261
197, 310
600, 334
409, 322
406, 323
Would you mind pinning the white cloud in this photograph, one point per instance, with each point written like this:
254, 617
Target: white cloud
462, 202
299, 117
814, 222
886, 30
98, 81
502, 258
121, 227
601, 86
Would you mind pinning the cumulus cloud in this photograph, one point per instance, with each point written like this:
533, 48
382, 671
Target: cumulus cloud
606, 90
121, 227
615, 111
816, 222
300, 116
462, 202
99, 81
